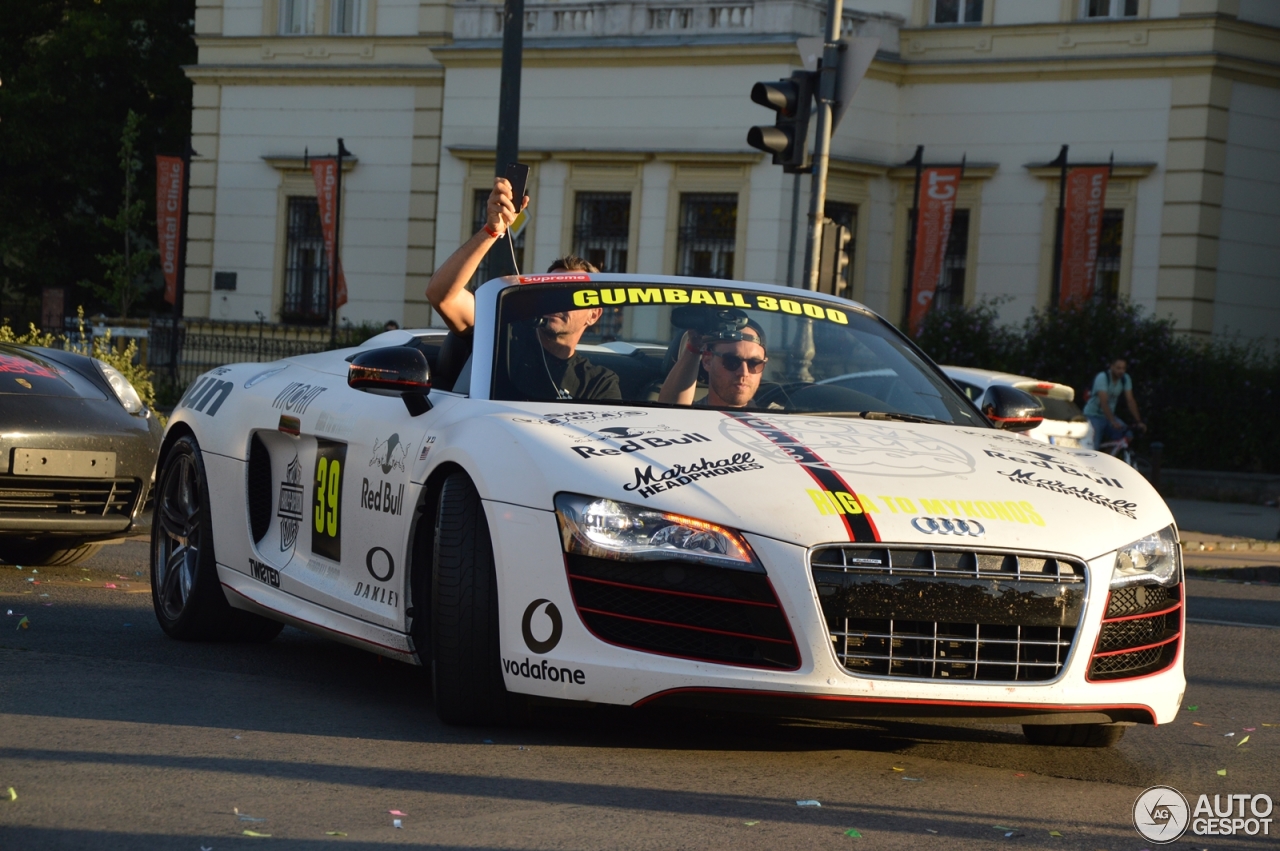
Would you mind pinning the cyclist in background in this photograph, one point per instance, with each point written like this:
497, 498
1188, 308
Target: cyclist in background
1108, 387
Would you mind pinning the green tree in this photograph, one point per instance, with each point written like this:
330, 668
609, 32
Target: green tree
128, 273
70, 72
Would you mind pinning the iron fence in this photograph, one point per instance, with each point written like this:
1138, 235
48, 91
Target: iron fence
202, 344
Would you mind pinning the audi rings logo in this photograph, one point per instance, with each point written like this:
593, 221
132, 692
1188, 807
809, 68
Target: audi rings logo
1161, 814
526, 627
949, 526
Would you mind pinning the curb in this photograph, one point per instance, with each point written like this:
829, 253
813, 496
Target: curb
1269, 574
1242, 545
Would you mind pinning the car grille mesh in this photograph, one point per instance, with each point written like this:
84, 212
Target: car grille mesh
30, 496
681, 609
949, 614
1140, 634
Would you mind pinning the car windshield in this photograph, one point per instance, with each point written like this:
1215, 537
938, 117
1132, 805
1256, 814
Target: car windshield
722, 348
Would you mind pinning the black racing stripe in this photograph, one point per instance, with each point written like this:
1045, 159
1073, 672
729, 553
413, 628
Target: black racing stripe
860, 526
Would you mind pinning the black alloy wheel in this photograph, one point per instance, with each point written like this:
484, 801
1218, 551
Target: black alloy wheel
185, 591
466, 669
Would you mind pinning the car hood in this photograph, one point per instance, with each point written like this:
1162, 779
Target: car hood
811, 479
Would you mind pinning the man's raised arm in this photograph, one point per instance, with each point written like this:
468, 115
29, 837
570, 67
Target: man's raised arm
447, 289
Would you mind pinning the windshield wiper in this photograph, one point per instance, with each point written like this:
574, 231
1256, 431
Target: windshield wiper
902, 418
871, 415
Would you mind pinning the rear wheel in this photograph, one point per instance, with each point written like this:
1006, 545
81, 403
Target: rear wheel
185, 591
466, 670
45, 553
1073, 735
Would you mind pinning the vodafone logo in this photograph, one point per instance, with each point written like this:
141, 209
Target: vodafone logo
552, 614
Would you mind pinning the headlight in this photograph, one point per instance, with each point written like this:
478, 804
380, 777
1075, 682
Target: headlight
606, 529
1153, 560
120, 385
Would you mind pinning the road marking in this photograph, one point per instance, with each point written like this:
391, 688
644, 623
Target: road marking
1234, 623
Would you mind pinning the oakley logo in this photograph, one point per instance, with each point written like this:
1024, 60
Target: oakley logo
949, 526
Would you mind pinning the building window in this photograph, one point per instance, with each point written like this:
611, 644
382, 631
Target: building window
1110, 8
957, 11
480, 201
951, 287
1106, 275
708, 233
297, 17
348, 17
306, 274
602, 228
835, 274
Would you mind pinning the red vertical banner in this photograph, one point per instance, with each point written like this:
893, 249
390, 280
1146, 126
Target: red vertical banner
1081, 229
169, 220
935, 208
325, 173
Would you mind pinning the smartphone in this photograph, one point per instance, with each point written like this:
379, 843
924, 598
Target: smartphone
518, 176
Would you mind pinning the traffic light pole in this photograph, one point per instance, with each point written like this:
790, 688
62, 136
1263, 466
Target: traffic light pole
827, 78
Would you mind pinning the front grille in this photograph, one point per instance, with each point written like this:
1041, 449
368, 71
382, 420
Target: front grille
58, 497
1140, 599
693, 611
949, 614
1140, 633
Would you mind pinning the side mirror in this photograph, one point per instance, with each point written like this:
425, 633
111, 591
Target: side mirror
1012, 409
393, 371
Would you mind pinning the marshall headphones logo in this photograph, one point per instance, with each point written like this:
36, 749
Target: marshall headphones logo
949, 526
290, 508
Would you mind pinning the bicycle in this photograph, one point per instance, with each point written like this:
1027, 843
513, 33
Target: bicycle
1122, 448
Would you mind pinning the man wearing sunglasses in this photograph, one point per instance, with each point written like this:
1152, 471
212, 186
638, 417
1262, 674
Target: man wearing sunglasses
734, 363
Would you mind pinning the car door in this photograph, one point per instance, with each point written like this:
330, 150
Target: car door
353, 535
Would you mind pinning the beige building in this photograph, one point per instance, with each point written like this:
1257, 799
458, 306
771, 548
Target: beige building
634, 117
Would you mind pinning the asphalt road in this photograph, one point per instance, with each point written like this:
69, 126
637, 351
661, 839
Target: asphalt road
115, 737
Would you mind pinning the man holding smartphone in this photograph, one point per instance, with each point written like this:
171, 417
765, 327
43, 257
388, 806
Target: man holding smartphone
551, 368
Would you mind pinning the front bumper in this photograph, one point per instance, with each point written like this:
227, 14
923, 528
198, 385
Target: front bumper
580, 665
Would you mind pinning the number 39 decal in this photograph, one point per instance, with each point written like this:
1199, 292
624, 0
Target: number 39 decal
326, 523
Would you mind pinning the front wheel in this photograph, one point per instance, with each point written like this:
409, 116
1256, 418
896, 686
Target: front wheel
185, 591
1073, 735
466, 669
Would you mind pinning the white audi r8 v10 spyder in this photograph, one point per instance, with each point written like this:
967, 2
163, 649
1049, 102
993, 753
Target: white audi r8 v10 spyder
522, 512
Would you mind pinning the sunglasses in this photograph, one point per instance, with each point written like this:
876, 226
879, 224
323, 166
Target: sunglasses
733, 362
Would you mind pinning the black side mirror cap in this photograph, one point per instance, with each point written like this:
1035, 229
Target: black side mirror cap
393, 371
1012, 409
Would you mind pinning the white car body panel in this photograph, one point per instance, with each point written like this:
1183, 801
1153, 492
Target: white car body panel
1025, 497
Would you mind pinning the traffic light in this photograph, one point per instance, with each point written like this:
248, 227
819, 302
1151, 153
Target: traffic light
788, 138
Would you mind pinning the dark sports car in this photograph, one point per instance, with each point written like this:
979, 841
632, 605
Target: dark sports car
77, 455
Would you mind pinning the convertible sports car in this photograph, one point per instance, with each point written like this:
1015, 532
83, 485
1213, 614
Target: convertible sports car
853, 549
77, 450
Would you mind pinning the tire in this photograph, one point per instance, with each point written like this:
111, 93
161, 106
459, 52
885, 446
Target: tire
46, 553
185, 591
466, 670
1073, 735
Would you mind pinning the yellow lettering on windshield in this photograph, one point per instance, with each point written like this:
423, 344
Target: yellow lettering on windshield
636, 295
718, 298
